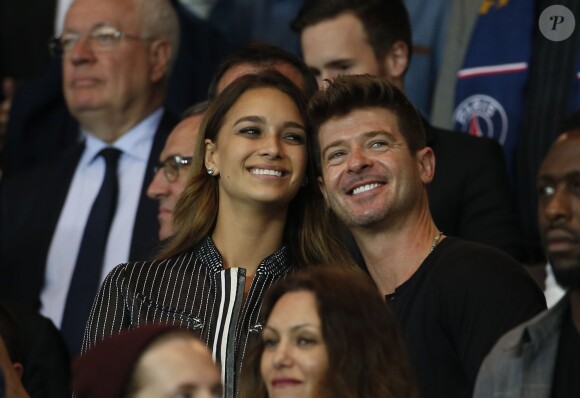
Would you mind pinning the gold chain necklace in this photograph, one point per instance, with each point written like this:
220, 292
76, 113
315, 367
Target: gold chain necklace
436, 240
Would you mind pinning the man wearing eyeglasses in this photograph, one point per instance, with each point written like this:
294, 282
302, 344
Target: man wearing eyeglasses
173, 168
66, 224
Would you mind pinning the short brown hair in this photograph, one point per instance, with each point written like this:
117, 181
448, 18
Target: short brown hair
264, 57
384, 21
349, 93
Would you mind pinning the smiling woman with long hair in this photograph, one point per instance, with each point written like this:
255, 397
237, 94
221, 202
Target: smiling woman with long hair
251, 214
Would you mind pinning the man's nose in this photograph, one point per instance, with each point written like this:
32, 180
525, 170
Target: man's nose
558, 205
323, 77
81, 51
159, 186
358, 160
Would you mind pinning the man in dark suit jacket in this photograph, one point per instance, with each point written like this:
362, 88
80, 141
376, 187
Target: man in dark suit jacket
115, 68
469, 196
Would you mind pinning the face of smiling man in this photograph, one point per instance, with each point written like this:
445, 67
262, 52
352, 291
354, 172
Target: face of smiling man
368, 173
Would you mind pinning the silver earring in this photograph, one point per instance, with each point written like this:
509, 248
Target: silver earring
210, 171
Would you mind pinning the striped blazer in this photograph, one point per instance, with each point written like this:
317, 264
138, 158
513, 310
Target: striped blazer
192, 290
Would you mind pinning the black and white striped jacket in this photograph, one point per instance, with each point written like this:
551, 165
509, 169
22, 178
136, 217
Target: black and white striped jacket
194, 291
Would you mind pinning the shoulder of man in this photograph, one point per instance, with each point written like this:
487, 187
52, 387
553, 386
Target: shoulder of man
481, 293
446, 139
476, 267
532, 341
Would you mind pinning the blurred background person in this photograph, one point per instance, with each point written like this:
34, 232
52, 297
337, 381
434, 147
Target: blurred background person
507, 79
11, 355
10, 373
541, 357
328, 333
39, 125
173, 168
260, 57
153, 360
37, 351
87, 208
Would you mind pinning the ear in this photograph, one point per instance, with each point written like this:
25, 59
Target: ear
322, 188
159, 58
211, 156
396, 62
426, 162
18, 368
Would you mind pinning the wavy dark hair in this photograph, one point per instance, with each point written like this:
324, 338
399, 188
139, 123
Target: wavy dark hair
311, 232
366, 353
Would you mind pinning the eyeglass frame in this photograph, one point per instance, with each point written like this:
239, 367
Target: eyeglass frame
176, 163
57, 49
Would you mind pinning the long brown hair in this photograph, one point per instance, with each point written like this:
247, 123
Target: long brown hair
366, 353
311, 231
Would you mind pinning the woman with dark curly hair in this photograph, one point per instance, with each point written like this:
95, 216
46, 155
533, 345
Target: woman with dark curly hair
328, 334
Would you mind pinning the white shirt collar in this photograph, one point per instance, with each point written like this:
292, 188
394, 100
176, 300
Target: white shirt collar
135, 143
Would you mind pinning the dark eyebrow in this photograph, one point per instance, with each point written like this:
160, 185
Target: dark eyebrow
294, 328
367, 135
338, 62
294, 124
573, 174
331, 145
260, 119
253, 119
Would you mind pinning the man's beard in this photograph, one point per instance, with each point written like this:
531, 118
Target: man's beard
568, 277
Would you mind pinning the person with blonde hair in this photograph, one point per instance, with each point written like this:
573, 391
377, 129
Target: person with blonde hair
250, 215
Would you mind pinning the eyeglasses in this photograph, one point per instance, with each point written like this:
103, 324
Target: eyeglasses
101, 38
171, 166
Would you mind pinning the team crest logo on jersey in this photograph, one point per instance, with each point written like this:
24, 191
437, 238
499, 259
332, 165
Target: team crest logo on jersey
482, 116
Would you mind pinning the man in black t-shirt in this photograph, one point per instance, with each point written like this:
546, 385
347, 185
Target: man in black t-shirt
454, 298
541, 358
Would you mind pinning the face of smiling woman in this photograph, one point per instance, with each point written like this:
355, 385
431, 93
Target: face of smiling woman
294, 359
260, 154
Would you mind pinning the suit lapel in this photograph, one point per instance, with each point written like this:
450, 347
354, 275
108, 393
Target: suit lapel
36, 200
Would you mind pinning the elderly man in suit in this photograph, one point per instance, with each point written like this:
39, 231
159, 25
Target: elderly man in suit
66, 224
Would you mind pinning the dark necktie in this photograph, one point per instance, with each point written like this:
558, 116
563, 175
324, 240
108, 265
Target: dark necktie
87, 274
